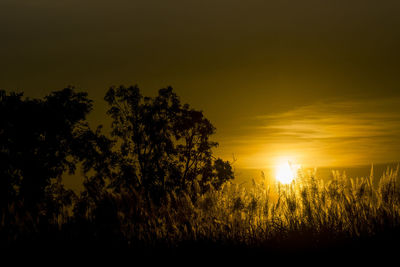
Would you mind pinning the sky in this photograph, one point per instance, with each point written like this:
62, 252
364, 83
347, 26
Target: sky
316, 82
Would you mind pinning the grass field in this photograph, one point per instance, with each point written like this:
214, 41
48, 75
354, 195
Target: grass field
308, 215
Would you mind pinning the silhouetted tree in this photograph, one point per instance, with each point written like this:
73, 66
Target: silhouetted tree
38, 143
163, 145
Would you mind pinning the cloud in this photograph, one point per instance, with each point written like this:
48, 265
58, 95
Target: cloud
341, 133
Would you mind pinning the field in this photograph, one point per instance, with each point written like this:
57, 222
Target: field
308, 215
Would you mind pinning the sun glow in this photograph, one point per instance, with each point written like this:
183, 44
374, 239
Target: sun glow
286, 172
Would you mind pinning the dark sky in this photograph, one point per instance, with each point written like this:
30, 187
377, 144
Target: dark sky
312, 81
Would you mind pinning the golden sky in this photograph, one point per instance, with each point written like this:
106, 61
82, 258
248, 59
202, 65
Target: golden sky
341, 133
316, 81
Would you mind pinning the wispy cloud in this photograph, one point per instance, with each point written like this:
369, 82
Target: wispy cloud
325, 133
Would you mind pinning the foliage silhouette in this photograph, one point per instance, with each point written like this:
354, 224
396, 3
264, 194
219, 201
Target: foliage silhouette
38, 141
163, 145
159, 146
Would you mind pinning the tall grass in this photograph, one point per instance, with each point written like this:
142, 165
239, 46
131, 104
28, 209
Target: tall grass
309, 211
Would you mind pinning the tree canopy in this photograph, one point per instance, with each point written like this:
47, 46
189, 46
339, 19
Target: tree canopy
164, 145
38, 141
156, 145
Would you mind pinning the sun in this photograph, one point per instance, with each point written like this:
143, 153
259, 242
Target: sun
286, 172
